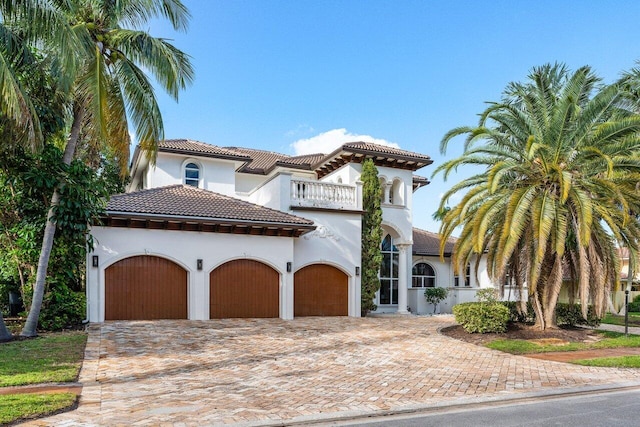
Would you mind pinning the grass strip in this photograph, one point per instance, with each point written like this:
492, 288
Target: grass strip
48, 358
610, 340
14, 407
612, 319
611, 362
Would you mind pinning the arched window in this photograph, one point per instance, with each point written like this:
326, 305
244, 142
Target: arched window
396, 195
467, 277
423, 276
389, 272
383, 190
192, 174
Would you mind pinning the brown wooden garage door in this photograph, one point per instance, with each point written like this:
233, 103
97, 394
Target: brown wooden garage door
320, 290
145, 288
244, 288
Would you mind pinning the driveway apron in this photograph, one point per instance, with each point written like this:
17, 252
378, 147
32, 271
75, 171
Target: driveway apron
260, 371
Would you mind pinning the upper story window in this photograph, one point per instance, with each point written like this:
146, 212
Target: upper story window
423, 276
192, 174
396, 193
467, 277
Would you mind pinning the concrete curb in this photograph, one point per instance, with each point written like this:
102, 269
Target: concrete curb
461, 404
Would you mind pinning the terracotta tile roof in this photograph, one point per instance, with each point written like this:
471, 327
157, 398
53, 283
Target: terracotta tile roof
383, 149
428, 243
382, 155
189, 202
306, 159
187, 146
261, 162
420, 181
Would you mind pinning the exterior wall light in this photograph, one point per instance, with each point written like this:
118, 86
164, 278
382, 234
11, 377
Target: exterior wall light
289, 267
357, 271
199, 264
94, 261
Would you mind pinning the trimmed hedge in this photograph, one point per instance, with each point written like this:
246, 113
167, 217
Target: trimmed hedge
481, 317
566, 314
635, 304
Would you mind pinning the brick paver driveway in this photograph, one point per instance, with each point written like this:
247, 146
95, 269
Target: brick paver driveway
270, 370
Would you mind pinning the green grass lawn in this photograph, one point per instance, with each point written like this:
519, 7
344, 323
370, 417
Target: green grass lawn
48, 358
612, 319
611, 362
15, 407
610, 340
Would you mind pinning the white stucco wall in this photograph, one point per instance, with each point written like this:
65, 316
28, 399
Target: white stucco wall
274, 193
444, 279
185, 248
215, 174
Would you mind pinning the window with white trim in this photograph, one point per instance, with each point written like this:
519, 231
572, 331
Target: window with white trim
192, 174
467, 277
389, 272
423, 276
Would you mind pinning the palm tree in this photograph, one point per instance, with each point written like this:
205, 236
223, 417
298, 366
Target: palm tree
560, 164
22, 25
111, 91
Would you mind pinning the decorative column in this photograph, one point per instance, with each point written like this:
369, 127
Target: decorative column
402, 277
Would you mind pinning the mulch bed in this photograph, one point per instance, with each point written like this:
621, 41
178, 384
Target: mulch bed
520, 331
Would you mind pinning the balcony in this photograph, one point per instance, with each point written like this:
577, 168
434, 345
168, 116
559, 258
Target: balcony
323, 195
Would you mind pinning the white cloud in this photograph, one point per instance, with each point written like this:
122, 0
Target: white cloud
328, 141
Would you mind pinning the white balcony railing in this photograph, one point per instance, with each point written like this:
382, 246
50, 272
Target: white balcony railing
323, 195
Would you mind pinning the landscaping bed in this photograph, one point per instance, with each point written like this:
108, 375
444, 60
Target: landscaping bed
520, 331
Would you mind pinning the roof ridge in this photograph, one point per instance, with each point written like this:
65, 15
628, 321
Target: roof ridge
257, 149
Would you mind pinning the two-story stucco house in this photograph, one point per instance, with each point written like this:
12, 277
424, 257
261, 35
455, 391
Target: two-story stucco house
217, 232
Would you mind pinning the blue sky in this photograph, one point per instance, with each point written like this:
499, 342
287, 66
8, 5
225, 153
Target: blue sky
302, 75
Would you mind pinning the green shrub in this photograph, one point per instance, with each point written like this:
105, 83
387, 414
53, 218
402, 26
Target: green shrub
487, 295
571, 315
62, 308
516, 316
566, 314
481, 317
634, 305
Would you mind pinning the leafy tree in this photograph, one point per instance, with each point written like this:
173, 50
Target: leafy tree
435, 295
561, 167
371, 235
26, 184
108, 90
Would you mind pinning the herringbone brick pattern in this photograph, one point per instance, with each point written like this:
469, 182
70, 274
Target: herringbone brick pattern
193, 373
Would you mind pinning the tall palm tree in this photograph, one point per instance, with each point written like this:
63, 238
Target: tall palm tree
110, 90
560, 164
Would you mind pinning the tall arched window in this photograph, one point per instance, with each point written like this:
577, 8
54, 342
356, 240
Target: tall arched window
423, 276
192, 174
389, 272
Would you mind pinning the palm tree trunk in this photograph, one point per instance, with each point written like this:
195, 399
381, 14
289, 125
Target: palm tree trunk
29, 329
5, 335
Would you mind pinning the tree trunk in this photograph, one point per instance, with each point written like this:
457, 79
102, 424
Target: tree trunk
5, 335
29, 329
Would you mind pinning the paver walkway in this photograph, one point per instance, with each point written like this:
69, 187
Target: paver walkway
193, 373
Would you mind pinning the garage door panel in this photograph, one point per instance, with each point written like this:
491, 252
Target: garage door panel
244, 288
321, 290
145, 288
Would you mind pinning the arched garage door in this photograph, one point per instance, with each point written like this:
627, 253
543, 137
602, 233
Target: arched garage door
320, 290
145, 288
244, 288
